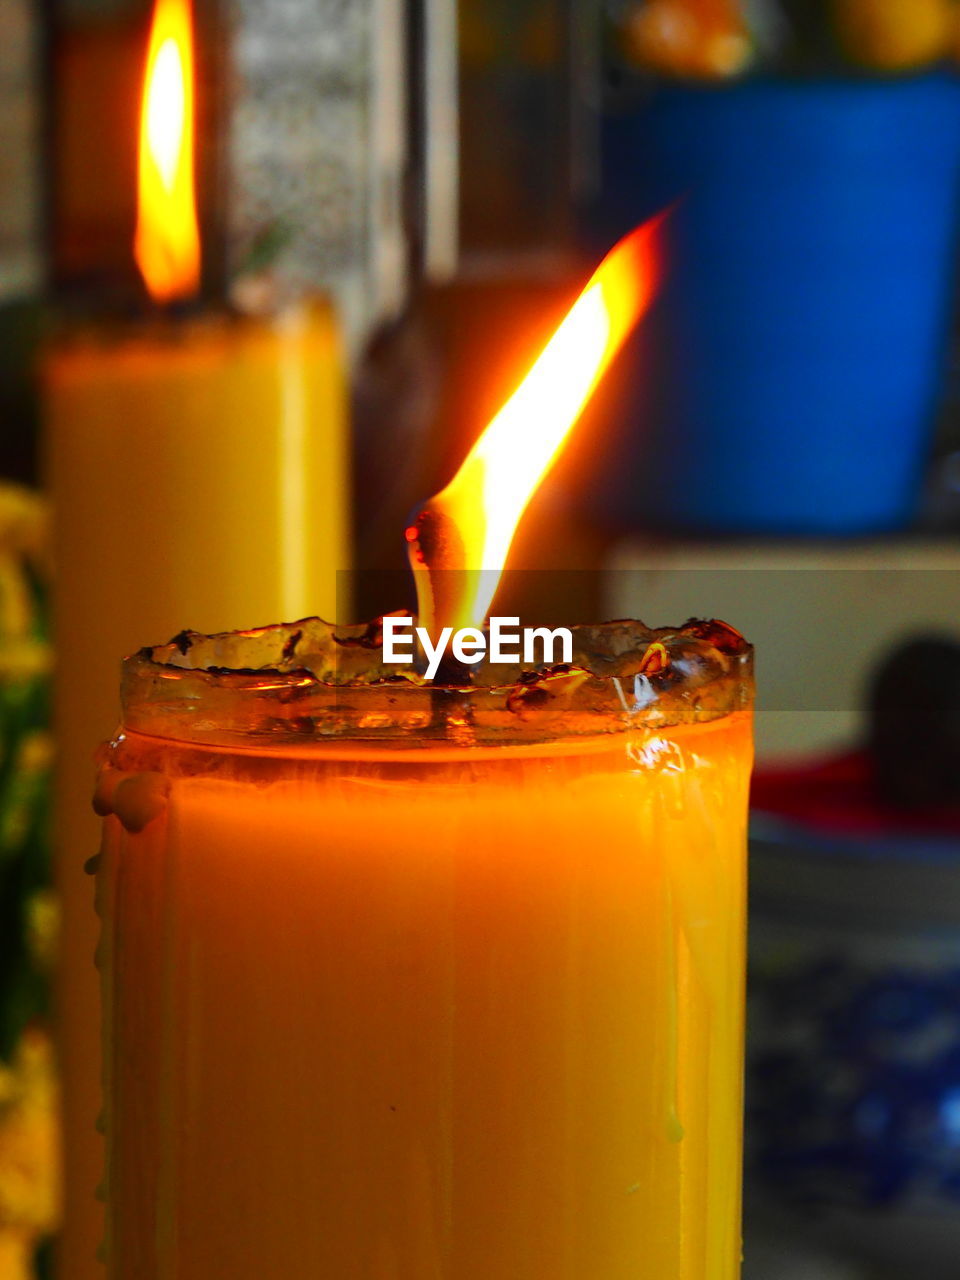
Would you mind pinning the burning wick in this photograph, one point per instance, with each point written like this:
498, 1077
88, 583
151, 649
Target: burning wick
460, 538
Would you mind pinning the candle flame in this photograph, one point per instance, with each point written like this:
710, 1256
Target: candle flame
469, 526
167, 244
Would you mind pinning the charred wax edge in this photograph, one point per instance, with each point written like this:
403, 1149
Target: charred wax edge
650, 645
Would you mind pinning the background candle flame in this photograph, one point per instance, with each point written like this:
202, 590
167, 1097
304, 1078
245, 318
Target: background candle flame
167, 244
468, 527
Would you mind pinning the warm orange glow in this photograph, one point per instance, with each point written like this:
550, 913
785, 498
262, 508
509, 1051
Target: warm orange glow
469, 526
167, 244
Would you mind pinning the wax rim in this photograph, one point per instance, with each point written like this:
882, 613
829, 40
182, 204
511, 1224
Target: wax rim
310, 682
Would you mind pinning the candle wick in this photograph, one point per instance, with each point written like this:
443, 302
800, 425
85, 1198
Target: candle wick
437, 557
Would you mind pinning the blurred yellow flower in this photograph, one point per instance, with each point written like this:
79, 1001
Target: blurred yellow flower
43, 930
29, 1140
29, 1153
29, 1134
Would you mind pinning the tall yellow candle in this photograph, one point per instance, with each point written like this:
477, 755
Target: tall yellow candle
197, 472
198, 469
429, 985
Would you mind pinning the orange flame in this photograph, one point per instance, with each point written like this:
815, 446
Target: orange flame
167, 244
469, 525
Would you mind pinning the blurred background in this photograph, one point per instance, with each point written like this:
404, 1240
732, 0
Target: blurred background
395, 203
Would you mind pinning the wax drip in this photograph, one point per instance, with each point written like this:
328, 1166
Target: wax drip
135, 799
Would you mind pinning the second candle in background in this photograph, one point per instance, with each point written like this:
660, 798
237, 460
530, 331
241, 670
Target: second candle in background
198, 475
197, 461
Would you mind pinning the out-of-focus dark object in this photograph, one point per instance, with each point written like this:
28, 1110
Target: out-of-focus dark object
913, 735
514, 193
20, 333
21, 125
21, 266
942, 508
787, 382
853, 1099
941, 503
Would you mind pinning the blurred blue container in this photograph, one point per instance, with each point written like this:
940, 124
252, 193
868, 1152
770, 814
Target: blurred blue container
788, 378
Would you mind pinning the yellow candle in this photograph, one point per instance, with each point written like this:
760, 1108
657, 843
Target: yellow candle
428, 986
197, 471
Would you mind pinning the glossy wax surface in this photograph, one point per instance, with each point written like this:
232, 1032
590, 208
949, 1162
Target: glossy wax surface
460, 1014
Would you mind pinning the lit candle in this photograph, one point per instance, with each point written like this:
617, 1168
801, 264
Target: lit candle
432, 981
198, 469
397, 993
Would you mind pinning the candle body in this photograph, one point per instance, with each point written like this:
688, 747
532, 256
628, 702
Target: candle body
427, 1015
198, 476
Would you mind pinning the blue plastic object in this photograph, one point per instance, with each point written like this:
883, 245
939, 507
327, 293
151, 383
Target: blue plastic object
787, 380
